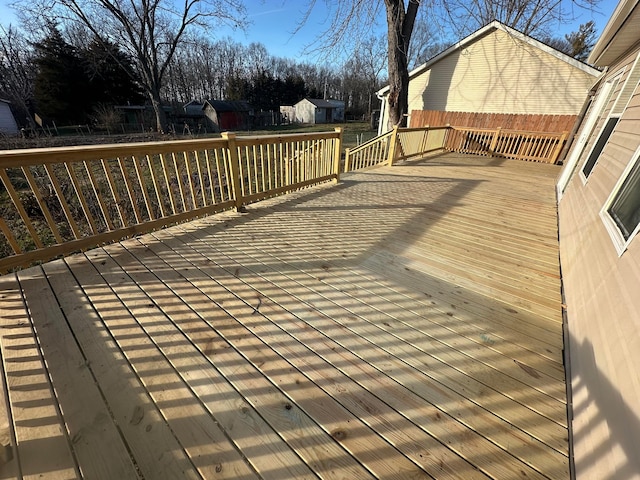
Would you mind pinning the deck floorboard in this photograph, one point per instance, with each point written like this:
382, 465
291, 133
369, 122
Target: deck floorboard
403, 324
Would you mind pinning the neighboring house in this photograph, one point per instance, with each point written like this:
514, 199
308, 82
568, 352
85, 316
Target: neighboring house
228, 115
314, 110
599, 218
497, 70
8, 124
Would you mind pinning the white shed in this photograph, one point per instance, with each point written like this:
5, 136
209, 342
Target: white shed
315, 110
8, 124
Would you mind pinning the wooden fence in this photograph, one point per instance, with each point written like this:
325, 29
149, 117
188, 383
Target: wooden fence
60, 200
529, 123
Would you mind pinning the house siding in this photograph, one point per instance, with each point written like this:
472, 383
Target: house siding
500, 73
8, 125
603, 307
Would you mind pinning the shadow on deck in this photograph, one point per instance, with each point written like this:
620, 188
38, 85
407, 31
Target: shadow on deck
403, 324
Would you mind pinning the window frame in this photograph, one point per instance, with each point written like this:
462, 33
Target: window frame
620, 243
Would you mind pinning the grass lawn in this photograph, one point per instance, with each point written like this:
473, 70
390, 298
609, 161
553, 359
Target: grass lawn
353, 134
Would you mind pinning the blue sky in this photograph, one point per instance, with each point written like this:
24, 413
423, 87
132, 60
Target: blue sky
272, 23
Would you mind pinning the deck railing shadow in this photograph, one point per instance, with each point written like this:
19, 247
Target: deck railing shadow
597, 399
243, 291
69, 199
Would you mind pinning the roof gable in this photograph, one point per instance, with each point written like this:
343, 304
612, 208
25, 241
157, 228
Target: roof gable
487, 30
321, 103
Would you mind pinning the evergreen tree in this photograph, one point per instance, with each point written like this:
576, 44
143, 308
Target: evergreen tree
582, 41
61, 84
111, 75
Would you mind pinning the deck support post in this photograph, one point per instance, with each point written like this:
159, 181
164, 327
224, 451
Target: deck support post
392, 147
235, 168
336, 154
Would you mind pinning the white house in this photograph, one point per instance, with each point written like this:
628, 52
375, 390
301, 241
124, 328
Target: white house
497, 70
8, 124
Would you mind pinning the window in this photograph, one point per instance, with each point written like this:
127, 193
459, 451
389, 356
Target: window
603, 138
596, 110
624, 96
621, 213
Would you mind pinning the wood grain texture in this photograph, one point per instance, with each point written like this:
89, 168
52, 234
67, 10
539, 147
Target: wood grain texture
404, 323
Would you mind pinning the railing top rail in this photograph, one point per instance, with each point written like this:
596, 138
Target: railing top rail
284, 137
44, 156
507, 131
371, 141
419, 129
40, 156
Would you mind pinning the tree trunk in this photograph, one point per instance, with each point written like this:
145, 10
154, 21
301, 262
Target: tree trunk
161, 116
400, 25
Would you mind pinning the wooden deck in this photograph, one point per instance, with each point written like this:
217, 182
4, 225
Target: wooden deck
403, 324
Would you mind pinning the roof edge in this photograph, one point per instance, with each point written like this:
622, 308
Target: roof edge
496, 25
613, 26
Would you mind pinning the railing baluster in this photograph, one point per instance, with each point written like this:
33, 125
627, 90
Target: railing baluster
207, 161
156, 185
41, 203
81, 197
63, 202
96, 191
18, 204
192, 190
200, 178
165, 172
179, 180
129, 186
143, 186
10, 238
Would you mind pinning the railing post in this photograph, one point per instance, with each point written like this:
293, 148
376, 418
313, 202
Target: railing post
494, 141
558, 149
234, 167
392, 147
346, 160
336, 154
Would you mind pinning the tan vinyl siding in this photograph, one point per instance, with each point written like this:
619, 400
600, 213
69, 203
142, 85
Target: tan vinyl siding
603, 298
501, 74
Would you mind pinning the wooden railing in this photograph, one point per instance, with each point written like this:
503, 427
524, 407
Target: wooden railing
414, 142
513, 144
376, 151
60, 200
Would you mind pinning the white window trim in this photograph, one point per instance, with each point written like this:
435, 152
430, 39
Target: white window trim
615, 81
583, 177
612, 227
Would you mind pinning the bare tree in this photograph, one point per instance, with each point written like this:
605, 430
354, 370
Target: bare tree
148, 30
17, 70
353, 20
536, 18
